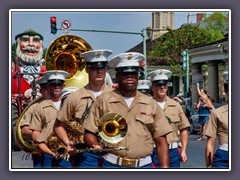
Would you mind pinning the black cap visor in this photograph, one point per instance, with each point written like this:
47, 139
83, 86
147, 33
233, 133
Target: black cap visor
144, 91
43, 84
128, 69
101, 64
56, 81
160, 82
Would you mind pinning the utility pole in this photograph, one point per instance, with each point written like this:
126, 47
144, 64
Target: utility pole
144, 34
189, 21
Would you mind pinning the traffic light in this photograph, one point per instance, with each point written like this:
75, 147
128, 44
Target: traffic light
142, 71
53, 21
183, 62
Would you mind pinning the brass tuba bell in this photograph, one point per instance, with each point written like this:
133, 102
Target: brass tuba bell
112, 129
64, 54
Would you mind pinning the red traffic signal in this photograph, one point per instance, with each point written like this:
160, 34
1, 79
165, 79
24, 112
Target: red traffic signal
53, 19
142, 70
53, 24
142, 63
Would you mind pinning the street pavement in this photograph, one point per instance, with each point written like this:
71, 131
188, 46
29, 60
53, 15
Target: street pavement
195, 152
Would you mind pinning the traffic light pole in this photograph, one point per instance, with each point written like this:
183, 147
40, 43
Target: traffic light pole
144, 51
142, 33
185, 66
187, 80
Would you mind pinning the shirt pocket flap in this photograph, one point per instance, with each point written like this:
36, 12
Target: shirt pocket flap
144, 119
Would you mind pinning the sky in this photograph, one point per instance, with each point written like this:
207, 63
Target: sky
110, 20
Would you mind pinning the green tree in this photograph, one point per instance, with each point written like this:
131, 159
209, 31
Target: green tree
218, 21
167, 49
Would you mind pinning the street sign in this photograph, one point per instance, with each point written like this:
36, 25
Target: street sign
197, 77
66, 24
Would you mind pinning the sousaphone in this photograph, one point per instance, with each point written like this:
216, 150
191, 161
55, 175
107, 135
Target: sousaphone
24, 142
64, 54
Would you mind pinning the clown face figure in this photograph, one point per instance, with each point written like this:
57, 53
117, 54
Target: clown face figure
29, 52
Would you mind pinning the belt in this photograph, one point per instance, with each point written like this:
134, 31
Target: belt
223, 147
126, 161
173, 145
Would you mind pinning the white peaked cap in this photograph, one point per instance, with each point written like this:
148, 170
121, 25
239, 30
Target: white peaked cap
126, 60
56, 75
144, 84
159, 74
68, 90
100, 55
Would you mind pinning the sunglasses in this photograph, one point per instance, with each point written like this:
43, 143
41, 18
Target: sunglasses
160, 84
43, 87
56, 84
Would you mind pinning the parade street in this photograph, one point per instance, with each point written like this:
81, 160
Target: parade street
195, 152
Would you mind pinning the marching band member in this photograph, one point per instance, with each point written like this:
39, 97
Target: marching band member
44, 117
78, 104
144, 86
175, 115
146, 121
24, 124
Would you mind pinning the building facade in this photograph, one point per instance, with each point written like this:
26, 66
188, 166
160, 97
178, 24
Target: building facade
160, 20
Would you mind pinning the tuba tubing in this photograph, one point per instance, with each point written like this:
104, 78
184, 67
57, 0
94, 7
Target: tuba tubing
25, 143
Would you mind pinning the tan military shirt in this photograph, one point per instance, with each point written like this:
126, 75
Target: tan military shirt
77, 105
145, 120
217, 125
43, 119
176, 117
27, 116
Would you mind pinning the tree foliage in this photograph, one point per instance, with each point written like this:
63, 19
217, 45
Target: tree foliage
218, 21
169, 46
167, 49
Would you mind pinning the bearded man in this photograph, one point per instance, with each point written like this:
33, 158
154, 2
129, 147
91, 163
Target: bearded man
29, 52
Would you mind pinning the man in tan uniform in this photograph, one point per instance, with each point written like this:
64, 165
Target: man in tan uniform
24, 124
145, 119
77, 106
217, 127
44, 117
27, 117
144, 86
175, 115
